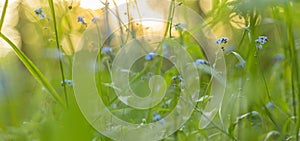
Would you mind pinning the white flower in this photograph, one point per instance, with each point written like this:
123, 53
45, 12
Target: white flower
150, 56
143, 122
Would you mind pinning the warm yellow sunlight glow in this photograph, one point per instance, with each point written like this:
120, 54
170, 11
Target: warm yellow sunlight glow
96, 4
12, 17
8, 28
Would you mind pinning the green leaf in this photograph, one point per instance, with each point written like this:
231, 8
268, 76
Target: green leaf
34, 71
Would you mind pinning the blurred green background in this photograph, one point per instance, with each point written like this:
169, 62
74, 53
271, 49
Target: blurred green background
261, 100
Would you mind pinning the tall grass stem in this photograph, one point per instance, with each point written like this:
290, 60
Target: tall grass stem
59, 49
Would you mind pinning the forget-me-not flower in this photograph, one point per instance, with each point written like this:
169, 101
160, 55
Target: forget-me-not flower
260, 41
81, 20
68, 83
201, 62
150, 56
106, 50
156, 117
222, 40
40, 12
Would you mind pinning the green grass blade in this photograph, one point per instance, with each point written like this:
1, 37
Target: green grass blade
58, 48
3, 14
34, 70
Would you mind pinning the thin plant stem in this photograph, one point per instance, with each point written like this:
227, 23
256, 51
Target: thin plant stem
119, 22
138, 10
130, 25
59, 49
263, 76
271, 118
295, 66
211, 121
170, 18
251, 52
119, 19
3, 14
241, 81
109, 32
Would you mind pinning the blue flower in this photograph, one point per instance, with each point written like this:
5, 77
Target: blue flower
222, 40
81, 20
270, 105
150, 56
162, 121
259, 46
40, 12
156, 117
180, 78
106, 50
180, 26
279, 57
68, 83
174, 78
261, 40
201, 62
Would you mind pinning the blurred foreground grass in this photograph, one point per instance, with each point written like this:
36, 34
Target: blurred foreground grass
261, 100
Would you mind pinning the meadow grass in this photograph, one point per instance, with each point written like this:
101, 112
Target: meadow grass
262, 94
